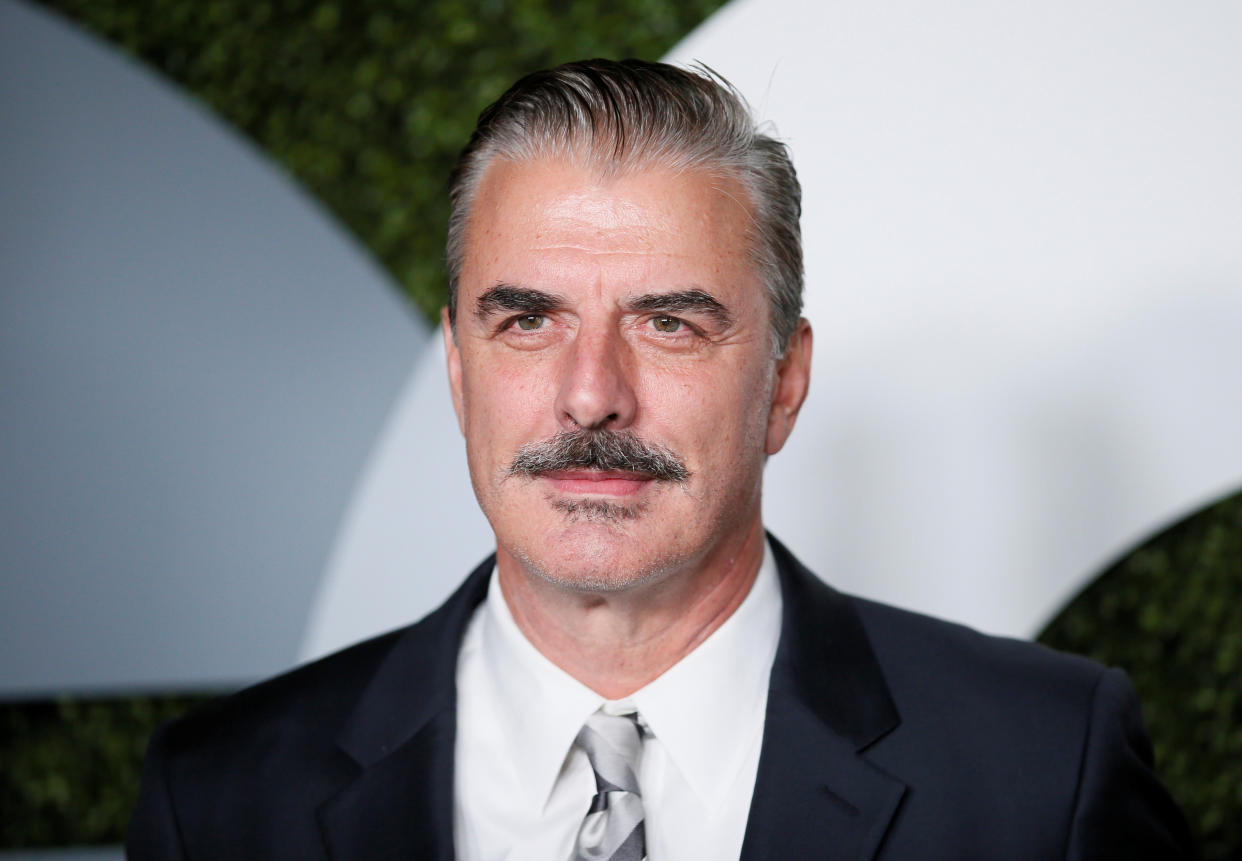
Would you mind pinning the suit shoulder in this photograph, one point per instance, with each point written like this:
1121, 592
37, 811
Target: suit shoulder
315, 699
300, 714
311, 699
978, 711
934, 657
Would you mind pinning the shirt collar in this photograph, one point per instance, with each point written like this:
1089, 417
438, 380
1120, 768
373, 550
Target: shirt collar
701, 709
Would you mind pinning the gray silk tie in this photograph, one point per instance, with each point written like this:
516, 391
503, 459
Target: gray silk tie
613, 827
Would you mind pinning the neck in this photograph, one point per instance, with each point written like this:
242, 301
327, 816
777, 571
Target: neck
617, 642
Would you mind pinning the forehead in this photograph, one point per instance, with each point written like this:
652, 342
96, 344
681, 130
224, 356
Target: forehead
557, 211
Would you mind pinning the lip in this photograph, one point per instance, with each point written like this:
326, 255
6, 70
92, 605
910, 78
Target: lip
592, 481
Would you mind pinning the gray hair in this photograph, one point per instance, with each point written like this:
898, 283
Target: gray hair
627, 115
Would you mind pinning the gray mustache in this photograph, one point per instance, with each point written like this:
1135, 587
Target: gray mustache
598, 449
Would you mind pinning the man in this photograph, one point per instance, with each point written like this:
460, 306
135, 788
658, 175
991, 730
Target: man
639, 671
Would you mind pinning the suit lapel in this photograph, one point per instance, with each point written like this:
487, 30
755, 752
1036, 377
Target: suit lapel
401, 736
816, 795
402, 806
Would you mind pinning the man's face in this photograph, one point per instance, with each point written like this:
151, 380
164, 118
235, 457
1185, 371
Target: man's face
627, 307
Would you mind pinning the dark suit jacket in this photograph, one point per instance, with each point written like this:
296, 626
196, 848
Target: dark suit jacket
888, 735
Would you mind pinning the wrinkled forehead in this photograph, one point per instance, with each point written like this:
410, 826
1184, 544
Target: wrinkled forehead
648, 196
532, 205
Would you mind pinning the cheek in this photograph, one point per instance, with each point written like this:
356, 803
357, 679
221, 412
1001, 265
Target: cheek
716, 419
748, 428
505, 403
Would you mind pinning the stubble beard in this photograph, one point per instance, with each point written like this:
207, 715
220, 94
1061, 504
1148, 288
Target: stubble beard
596, 510
596, 526
596, 576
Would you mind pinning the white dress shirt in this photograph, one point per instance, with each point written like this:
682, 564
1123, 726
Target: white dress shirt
521, 788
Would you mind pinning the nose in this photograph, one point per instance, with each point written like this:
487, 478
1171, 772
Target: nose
596, 389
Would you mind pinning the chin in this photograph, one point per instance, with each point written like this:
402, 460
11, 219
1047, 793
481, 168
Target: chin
594, 563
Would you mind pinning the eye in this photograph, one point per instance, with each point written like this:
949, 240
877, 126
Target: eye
666, 324
530, 322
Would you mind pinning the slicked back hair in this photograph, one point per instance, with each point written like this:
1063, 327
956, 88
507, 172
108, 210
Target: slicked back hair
619, 117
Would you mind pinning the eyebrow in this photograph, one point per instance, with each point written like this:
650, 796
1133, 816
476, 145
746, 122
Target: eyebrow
510, 299
681, 301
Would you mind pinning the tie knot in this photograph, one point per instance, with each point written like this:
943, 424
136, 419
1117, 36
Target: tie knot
614, 746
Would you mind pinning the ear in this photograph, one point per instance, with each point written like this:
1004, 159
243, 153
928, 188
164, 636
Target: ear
453, 356
793, 379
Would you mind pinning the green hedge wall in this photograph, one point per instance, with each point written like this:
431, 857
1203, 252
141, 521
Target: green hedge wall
69, 768
1170, 614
